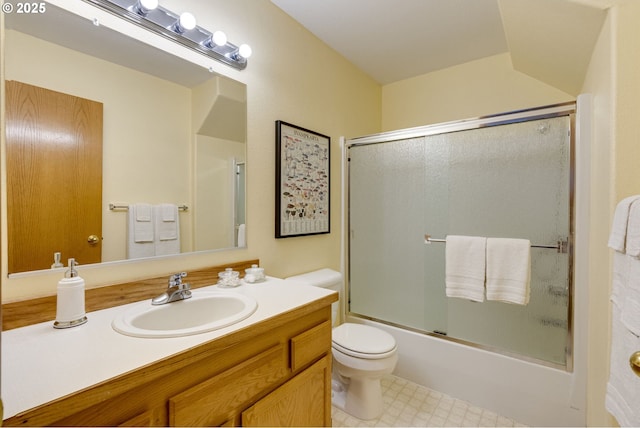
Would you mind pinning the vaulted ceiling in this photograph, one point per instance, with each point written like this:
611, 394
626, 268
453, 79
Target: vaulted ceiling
392, 40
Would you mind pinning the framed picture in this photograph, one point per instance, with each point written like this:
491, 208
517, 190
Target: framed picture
302, 181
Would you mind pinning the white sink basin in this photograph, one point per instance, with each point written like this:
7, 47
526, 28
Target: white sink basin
204, 311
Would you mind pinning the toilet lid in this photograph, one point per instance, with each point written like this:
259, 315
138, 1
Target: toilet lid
362, 340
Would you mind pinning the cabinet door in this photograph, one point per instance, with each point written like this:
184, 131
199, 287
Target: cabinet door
304, 400
221, 398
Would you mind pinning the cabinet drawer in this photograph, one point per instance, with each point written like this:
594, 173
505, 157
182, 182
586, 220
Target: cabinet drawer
219, 398
310, 345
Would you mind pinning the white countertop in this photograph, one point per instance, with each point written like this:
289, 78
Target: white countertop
40, 363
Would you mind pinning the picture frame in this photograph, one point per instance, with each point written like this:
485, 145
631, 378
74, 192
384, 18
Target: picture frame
302, 181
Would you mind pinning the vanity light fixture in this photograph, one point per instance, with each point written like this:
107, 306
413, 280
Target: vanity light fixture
181, 28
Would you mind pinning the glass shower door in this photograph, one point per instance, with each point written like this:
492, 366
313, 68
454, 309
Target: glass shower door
512, 181
387, 186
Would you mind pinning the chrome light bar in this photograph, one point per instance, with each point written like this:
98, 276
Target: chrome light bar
179, 28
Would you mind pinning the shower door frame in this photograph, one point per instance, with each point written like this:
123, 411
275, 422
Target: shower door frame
568, 109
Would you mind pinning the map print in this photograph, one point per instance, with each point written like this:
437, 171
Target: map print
304, 197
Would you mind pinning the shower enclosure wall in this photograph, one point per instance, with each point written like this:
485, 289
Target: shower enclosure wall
509, 176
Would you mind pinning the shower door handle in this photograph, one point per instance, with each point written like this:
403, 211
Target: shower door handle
634, 362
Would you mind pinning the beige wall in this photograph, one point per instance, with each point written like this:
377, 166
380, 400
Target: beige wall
486, 86
292, 77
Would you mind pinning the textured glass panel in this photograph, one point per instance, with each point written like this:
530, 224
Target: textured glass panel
386, 204
513, 181
503, 181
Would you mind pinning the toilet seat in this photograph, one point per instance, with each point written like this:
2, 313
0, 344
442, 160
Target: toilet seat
363, 341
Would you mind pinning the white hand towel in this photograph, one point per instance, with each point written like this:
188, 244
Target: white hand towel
143, 212
142, 215
167, 222
168, 232
465, 267
618, 235
169, 212
140, 234
508, 270
633, 230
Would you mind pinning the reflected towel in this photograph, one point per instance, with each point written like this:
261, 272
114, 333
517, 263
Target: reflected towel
167, 222
142, 215
168, 232
465, 267
242, 240
140, 231
508, 270
618, 235
169, 212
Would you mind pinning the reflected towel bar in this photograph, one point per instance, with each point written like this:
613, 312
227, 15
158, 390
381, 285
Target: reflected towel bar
562, 246
126, 207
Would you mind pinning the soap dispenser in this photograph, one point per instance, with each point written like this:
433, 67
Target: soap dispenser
56, 261
70, 303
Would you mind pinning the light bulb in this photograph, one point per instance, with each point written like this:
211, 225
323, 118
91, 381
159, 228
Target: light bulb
186, 22
148, 4
219, 38
143, 7
245, 51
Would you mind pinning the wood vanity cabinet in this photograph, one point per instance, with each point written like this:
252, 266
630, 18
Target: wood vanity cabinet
273, 373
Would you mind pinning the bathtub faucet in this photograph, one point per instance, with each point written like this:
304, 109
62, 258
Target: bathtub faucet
177, 290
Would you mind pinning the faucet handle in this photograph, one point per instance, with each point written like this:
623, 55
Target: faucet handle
176, 279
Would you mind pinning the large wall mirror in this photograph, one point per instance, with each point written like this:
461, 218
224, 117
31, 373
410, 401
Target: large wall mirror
164, 134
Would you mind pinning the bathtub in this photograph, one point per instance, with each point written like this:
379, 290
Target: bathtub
529, 393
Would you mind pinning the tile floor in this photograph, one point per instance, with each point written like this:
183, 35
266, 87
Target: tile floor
407, 404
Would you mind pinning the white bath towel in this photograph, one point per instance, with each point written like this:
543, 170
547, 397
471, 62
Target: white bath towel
622, 398
618, 235
621, 268
508, 270
465, 267
630, 314
632, 246
140, 231
167, 231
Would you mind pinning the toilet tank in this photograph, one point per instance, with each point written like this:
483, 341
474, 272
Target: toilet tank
325, 278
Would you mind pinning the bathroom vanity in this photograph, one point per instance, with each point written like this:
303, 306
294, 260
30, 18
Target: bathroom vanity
271, 369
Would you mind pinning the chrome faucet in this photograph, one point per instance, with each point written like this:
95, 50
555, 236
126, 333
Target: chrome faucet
175, 291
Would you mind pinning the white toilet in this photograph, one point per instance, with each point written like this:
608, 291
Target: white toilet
361, 355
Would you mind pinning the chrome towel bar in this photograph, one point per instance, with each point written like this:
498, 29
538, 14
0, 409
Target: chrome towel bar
126, 207
562, 245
